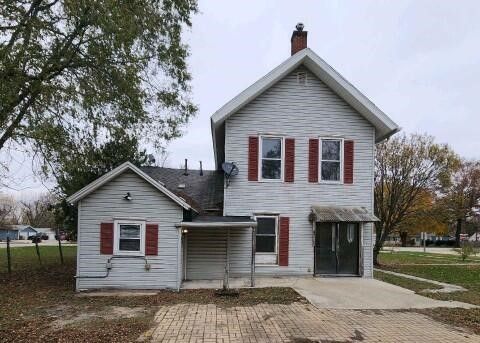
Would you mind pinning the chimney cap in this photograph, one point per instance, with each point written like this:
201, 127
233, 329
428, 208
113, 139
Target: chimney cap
299, 27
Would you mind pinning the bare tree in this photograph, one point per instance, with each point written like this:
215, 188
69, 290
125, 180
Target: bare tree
8, 212
406, 167
38, 213
462, 200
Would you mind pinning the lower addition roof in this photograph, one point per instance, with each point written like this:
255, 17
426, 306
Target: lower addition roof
220, 222
335, 214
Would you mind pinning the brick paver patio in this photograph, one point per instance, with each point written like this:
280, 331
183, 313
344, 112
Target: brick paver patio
298, 323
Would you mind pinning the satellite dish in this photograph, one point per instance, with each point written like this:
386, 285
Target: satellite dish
230, 169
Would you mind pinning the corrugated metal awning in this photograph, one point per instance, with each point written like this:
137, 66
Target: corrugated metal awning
342, 214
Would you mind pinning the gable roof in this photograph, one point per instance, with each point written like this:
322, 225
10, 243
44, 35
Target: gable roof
93, 186
384, 126
202, 192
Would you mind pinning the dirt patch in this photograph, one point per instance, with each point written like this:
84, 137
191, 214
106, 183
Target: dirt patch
466, 318
108, 313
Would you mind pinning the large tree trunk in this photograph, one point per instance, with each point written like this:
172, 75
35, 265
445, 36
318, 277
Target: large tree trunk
403, 238
379, 240
376, 251
458, 231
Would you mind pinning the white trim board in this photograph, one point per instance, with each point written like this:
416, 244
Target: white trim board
91, 187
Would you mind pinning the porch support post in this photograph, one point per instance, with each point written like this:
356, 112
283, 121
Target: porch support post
179, 259
252, 264
227, 262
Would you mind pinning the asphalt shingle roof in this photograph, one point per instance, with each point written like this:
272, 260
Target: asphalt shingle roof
203, 192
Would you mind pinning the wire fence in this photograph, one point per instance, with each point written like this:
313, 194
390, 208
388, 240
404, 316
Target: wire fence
35, 256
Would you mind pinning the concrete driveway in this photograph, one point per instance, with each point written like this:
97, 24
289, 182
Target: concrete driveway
343, 292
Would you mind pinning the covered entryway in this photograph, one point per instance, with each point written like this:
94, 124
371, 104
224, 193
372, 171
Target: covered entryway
217, 248
337, 239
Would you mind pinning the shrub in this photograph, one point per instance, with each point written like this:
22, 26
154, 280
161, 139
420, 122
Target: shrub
467, 249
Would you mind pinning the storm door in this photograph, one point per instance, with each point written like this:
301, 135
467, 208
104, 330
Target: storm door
337, 248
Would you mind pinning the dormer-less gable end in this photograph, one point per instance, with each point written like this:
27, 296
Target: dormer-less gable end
302, 55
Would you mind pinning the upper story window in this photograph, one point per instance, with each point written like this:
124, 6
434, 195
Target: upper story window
271, 158
331, 160
129, 238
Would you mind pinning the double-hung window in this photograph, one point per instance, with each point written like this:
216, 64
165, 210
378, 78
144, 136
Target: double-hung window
271, 158
129, 238
331, 160
266, 240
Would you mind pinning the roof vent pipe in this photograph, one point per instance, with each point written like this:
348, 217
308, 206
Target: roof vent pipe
186, 168
201, 169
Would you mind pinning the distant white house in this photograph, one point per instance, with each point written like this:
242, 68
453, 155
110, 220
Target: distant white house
25, 231
475, 237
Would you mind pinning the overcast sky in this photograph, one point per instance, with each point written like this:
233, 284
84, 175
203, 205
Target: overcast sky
419, 61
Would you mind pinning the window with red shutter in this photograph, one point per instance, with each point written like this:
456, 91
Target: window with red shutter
289, 159
313, 160
106, 238
151, 239
348, 161
253, 158
283, 241
129, 238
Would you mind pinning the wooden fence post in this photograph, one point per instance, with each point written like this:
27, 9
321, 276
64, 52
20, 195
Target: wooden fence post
60, 245
38, 251
9, 257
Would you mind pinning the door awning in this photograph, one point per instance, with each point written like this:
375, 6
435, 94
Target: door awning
341, 214
220, 222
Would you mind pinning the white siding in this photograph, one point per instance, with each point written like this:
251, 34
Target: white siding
147, 203
302, 112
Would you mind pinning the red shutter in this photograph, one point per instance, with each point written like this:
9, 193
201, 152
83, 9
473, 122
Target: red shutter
106, 238
348, 161
283, 241
252, 158
313, 160
151, 239
289, 159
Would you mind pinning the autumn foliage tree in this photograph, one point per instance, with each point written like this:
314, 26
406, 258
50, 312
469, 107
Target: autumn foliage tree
426, 215
406, 167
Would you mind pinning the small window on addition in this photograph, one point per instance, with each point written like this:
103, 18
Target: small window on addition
129, 238
302, 78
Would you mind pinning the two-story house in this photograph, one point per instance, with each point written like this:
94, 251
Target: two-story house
292, 193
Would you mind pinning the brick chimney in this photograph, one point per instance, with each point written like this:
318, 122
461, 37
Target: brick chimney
299, 39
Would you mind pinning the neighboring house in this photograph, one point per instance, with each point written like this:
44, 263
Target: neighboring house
303, 140
8, 232
25, 231
433, 237
475, 237
49, 232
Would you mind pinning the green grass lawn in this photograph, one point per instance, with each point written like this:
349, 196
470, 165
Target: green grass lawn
406, 257
36, 298
26, 258
414, 285
467, 276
